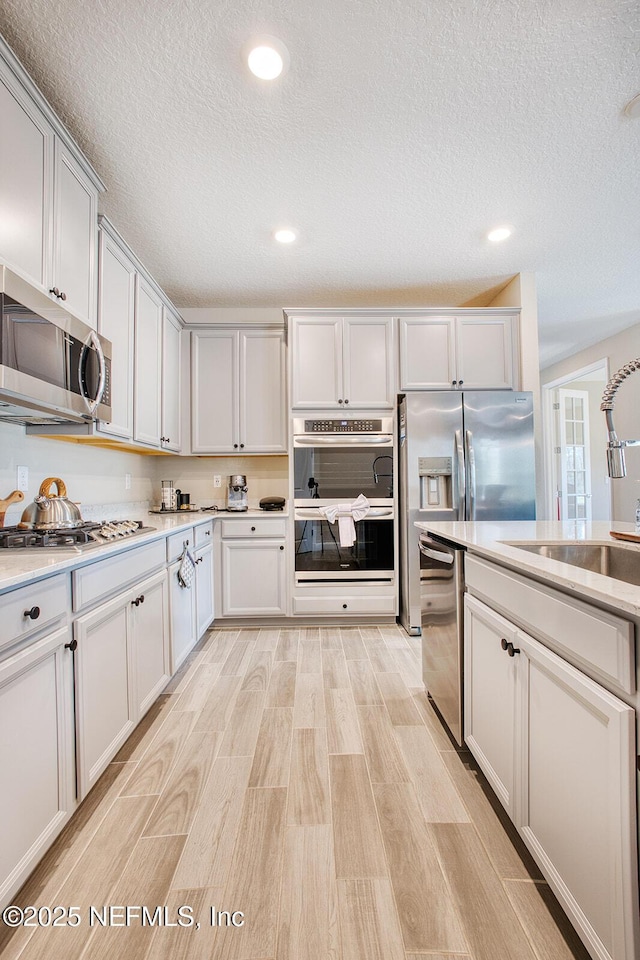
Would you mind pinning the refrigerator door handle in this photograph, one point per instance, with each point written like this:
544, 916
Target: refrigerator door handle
471, 469
460, 486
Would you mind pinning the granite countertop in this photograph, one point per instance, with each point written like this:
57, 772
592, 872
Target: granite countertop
487, 539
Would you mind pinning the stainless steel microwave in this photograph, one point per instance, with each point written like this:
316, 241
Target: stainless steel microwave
53, 367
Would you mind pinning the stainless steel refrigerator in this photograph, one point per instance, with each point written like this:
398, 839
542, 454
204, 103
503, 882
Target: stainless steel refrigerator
462, 456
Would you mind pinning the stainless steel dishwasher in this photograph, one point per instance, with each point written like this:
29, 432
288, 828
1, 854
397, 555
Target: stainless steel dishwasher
441, 603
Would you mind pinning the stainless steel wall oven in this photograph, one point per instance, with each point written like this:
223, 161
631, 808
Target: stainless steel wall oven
336, 460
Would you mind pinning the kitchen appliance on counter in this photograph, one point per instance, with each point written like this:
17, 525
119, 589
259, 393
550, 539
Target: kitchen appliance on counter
334, 462
168, 501
463, 456
53, 367
272, 503
86, 534
237, 493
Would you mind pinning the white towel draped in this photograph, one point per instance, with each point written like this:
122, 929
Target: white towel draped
346, 514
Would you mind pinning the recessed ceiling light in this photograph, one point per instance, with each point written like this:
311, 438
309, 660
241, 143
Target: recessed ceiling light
285, 235
267, 57
500, 233
632, 109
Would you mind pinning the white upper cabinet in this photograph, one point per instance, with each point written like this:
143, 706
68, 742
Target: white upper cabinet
238, 391
75, 236
25, 181
148, 359
340, 362
171, 341
463, 352
48, 196
116, 297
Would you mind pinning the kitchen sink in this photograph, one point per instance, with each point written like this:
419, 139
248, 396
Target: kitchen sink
611, 560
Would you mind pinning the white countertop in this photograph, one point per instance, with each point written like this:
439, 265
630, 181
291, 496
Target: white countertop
21, 566
486, 539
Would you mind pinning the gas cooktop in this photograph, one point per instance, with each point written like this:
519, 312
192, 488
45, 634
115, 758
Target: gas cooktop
88, 534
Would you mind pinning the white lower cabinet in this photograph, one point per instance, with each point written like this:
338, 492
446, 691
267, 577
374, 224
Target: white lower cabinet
204, 588
122, 664
253, 578
182, 602
36, 754
559, 749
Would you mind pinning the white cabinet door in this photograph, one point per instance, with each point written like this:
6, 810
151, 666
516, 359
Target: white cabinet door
253, 578
148, 357
26, 163
105, 702
182, 603
204, 589
149, 640
578, 797
116, 296
484, 350
427, 353
36, 754
171, 382
75, 236
214, 391
317, 380
490, 698
262, 424
368, 362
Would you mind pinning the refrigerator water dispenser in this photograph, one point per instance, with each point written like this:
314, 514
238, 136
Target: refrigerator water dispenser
435, 483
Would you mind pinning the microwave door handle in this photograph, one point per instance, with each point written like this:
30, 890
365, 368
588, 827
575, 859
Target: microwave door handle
92, 341
460, 484
471, 471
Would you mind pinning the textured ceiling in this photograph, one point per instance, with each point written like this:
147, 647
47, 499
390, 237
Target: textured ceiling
400, 134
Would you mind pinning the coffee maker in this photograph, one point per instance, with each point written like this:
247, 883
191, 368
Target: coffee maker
237, 493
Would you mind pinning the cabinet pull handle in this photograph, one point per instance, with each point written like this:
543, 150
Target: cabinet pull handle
340, 401
71, 646
253, 529
54, 291
207, 533
511, 650
242, 446
235, 446
282, 548
63, 296
32, 614
460, 382
504, 643
344, 606
454, 383
346, 401
138, 600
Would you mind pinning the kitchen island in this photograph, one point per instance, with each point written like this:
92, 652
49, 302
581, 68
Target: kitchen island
551, 707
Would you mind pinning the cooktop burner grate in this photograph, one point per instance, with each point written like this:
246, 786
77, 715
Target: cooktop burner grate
89, 533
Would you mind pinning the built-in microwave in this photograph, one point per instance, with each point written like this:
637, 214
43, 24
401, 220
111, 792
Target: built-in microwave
53, 367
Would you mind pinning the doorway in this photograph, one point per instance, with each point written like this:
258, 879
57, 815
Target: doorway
577, 483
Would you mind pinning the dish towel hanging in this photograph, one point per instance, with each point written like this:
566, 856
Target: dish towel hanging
187, 569
346, 514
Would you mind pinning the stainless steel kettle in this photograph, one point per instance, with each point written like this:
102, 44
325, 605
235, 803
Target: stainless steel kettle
50, 513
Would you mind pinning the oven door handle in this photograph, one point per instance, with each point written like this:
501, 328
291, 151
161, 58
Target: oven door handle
341, 441
373, 514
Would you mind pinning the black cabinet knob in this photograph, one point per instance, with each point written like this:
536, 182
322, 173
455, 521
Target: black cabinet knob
63, 296
504, 643
207, 533
138, 600
340, 401
235, 446
54, 291
71, 646
460, 382
242, 446
453, 383
33, 613
346, 401
511, 650
344, 606
282, 548
253, 529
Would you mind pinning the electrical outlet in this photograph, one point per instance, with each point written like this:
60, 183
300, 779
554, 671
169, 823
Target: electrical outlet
127, 481
217, 480
22, 478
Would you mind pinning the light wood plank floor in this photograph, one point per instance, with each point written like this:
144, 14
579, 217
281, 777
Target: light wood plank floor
302, 777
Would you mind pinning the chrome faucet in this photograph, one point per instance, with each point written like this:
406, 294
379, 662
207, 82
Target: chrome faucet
615, 447
378, 476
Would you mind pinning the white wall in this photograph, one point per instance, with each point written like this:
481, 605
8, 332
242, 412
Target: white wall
618, 349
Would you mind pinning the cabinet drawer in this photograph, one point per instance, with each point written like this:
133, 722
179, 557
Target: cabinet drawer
105, 577
343, 606
176, 542
203, 534
253, 527
50, 596
594, 640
